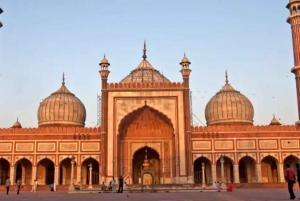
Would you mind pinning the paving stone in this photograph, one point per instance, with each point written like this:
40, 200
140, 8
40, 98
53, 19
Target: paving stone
236, 195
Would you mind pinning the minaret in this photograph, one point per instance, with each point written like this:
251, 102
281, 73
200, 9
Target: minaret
104, 72
294, 20
185, 71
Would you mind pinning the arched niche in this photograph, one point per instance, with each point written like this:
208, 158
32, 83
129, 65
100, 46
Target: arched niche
23, 171
269, 169
4, 170
247, 173
228, 170
45, 172
65, 172
138, 159
85, 172
198, 177
292, 160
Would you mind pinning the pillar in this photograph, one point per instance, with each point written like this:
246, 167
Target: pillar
90, 175
258, 173
64, 175
203, 176
71, 187
280, 172
214, 173
223, 185
34, 172
12, 174
78, 176
56, 174
23, 178
236, 174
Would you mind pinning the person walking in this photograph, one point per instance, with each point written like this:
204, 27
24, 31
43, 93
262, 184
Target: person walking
34, 186
19, 183
298, 174
7, 185
113, 185
121, 182
290, 177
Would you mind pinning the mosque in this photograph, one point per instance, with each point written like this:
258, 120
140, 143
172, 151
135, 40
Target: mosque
145, 121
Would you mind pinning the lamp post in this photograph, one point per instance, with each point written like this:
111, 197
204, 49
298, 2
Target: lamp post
203, 176
90, 180
223, 185
71, 187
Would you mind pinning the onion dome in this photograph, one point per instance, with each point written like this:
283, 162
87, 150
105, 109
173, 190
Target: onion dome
274, 122
229, 107
145, 73
61, 108
17, 124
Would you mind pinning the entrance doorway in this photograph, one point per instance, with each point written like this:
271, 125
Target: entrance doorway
138, 160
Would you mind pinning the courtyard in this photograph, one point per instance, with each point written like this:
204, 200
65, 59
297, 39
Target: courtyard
236, 195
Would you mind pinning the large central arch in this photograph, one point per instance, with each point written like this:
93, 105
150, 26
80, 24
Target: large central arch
145, 125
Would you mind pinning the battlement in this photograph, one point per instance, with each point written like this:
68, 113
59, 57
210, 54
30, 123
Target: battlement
144, 85
67, 130
248, 128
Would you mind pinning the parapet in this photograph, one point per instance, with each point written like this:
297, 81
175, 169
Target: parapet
48, 130
149, 85
243, 128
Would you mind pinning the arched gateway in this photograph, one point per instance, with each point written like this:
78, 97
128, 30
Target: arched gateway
146, 129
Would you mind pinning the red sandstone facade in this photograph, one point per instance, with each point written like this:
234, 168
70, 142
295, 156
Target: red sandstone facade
146, 111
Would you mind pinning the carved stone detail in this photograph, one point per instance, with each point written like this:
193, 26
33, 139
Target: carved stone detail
166, 162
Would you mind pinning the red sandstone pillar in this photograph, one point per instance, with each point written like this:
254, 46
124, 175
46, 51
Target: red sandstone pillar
104, 72
185, 71
294, 20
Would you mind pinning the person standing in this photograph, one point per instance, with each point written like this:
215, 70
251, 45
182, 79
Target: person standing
113, 185
34, 186
7, 185
121, 182
19, 183
290, 177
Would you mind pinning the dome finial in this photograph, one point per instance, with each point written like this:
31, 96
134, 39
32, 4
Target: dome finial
63, 79
144, 50
226, 76
17, 119
184, 54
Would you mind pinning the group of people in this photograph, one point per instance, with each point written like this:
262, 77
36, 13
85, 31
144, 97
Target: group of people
216, 185
111, 187
291, 179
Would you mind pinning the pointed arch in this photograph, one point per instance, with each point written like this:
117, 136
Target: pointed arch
198, 176
154, 121
228, 169
269, 169
247, 173
4, 170
45, 171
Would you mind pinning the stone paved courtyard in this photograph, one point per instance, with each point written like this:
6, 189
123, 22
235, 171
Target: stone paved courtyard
237, 195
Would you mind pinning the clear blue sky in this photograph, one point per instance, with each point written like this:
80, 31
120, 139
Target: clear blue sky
42, 39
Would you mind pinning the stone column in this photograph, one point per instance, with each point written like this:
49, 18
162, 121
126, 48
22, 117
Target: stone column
280, 172
236, 173
100, 182
214, 172
223, 185
33, 176
56, 175
12, 175
90, 176
258, 173
71, 187
78, 176
203, 175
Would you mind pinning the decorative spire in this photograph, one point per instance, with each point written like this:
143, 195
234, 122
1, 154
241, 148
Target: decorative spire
63, 79
184, 54
226, 76
17, 119
144, 50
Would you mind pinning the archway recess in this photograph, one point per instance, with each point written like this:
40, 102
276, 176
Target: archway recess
4, 170
45, 172
292, 160
65, 172
269, 169
145, 125
24, 171
228, 170
85, 172
247, 172
138, 159
198, 170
